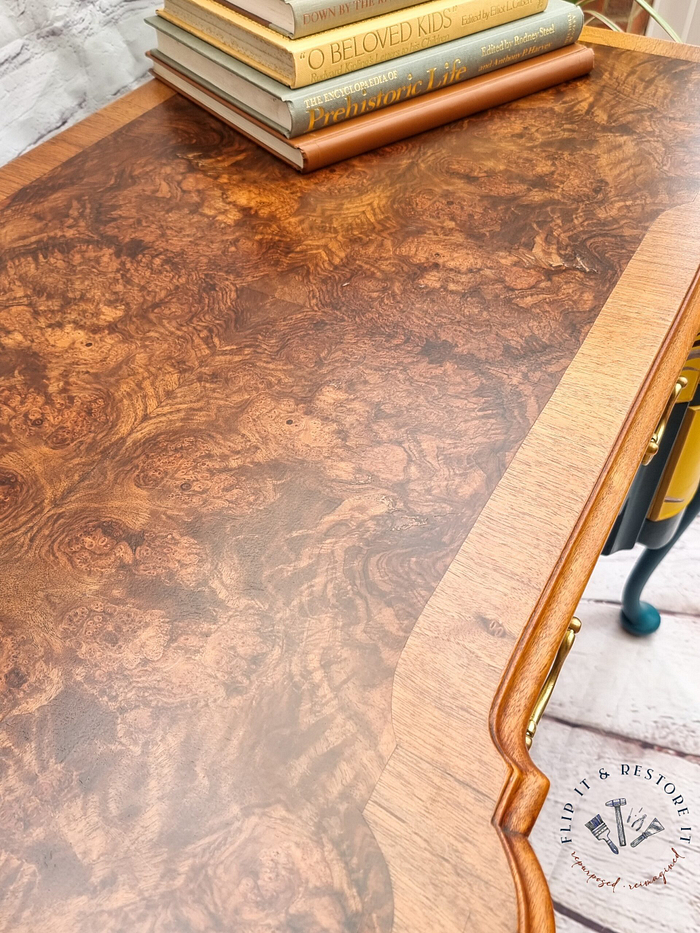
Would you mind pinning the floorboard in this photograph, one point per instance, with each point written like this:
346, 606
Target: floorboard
626, 700
675, 587
638, 688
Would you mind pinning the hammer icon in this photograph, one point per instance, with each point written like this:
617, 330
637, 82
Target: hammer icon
617, 803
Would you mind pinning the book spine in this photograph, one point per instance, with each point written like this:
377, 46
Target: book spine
312, 16
243, 44
424, 72
368, 43
500, 87
300, 62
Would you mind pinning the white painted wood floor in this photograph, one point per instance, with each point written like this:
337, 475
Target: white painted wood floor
635, 700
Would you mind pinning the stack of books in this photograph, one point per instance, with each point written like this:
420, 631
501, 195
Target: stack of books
318, 81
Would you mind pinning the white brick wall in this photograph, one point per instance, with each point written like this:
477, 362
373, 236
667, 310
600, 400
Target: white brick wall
62, 59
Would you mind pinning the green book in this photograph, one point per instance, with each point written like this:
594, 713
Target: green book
294, 112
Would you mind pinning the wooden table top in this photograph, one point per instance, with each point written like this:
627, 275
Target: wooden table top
301, 480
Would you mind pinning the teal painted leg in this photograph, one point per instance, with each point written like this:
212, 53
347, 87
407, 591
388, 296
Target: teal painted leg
637, 617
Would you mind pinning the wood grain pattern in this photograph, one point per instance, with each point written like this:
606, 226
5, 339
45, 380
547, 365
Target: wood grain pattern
593, 35
248, 419
538, 561
49, 155
37, 162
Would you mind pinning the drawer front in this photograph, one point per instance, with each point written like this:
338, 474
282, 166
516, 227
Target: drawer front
670, 475
681, 477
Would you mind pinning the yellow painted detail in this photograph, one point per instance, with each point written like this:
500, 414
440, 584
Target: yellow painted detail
681, 477
691, 371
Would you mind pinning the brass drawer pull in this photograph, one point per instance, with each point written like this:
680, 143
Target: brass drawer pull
658, 434
549, 685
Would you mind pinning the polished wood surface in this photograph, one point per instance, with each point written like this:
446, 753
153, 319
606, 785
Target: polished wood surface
248, 420
516, 581
70, 142
594, 35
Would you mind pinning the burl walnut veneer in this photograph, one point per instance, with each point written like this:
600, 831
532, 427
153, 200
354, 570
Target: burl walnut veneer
302, 479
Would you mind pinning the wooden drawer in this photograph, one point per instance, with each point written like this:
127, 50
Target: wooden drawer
682, 474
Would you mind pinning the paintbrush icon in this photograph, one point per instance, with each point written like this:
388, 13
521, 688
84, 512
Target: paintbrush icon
600, 830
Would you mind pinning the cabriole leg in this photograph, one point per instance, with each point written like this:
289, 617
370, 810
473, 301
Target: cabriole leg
637, 617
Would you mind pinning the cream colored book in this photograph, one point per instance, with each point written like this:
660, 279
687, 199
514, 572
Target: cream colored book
305, 17
304, 61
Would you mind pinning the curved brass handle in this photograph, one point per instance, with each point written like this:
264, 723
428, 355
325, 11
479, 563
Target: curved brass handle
546, 691
658, 434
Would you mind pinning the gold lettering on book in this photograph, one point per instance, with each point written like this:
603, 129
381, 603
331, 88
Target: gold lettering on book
352, 87
505, 45
320, 115
420, 31
410, 34
341, 103
509, 59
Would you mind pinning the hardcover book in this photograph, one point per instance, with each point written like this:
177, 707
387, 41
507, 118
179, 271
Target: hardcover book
323, 147
294, 112
300, 62
298, 18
